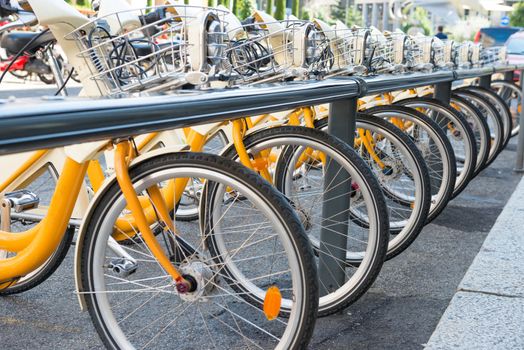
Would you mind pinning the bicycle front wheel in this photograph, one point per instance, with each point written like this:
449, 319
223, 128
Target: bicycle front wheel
248, 246
326, 182
457, 130
512, 95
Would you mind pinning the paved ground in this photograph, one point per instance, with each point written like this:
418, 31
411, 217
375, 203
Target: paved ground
401, 311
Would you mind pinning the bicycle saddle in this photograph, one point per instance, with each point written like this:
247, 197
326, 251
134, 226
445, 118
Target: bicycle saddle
15, 41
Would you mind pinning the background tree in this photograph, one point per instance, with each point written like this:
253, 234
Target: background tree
338, 11
306, 16
280, 10
269, 7
295, 8
517, 16
211, 3
419, 17
245, 8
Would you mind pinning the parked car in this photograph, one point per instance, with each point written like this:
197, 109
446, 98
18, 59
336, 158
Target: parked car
515, 45
494, 36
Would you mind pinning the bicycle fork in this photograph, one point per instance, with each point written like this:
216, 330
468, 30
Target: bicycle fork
123, 154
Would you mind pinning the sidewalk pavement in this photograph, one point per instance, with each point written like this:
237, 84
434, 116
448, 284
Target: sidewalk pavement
487, 311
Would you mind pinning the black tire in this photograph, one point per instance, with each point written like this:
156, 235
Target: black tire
404, 235
443, 180
286, 134
506, 90
225, 168
479, 126
501, 107
495, 124
447, 115
46, 270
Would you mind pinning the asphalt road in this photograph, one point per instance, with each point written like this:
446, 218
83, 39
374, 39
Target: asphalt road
400, 311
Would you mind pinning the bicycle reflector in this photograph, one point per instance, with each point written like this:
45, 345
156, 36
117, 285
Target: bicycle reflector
272, 303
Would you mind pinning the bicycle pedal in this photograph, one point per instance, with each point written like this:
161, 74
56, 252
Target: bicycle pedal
22, 200
122, 266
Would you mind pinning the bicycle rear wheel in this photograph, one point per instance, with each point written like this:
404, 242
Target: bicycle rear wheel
263, 252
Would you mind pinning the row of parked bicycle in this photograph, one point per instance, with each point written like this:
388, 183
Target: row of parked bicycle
221, 249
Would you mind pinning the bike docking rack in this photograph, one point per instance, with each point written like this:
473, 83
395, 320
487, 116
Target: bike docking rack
53, 122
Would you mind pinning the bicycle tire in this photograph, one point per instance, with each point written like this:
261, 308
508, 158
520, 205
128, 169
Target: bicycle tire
99, 226
461, 131
501, 107
289, 138
493, 120
45, 271
404, 236
480, 128
506, 89
436, 150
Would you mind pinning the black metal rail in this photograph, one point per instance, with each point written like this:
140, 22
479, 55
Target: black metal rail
27, 125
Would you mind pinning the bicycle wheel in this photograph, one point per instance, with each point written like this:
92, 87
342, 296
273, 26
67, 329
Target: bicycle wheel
43, 186
479, 126
496, 128
458, 132
45, 271
435, 147
512, 95
301, 160
263, 252
501, 107
403, 177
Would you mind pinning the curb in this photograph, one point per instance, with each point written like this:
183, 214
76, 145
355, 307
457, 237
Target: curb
487, 311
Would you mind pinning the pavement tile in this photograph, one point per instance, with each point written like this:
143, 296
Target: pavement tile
499, 266
480, 321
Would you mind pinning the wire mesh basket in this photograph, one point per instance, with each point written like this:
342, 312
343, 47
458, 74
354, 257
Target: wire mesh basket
384, 52
263, 51
493, 55
461, 53
448, 53
347, 47
438, 54
420, 53
474, 54
153, 48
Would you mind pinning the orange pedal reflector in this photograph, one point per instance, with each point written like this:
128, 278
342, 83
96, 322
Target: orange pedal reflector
272, 303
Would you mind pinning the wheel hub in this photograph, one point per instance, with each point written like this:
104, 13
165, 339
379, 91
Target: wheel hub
201, 281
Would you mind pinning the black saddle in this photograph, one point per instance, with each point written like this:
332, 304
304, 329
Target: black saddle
14, 41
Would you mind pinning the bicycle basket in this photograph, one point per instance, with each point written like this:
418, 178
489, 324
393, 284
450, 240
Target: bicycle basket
449, 60
384, 51
347, 47
493, 55
153, 48
264, 49
474, 54
461, 55
420, 53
